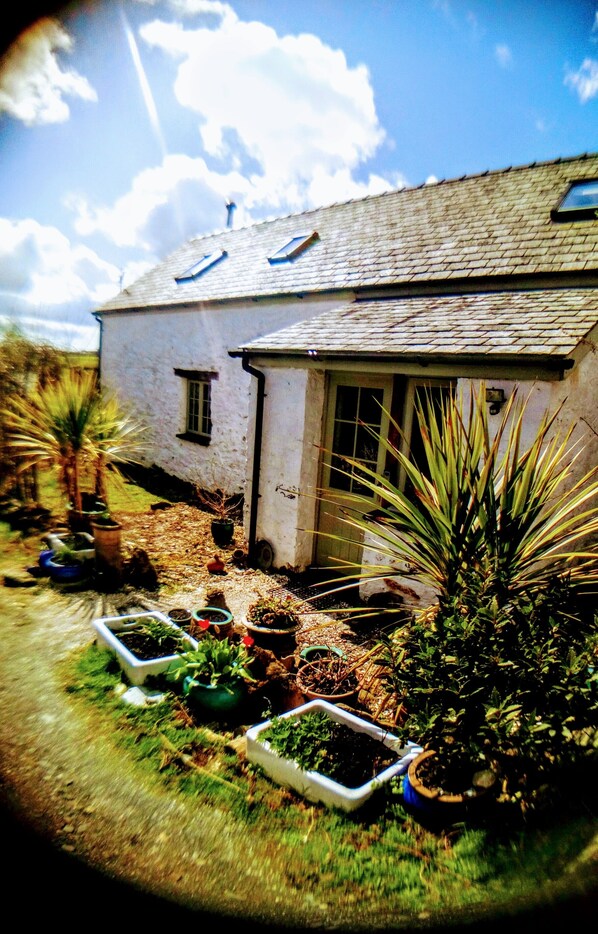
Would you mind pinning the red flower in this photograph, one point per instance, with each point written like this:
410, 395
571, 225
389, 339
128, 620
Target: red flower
203, 623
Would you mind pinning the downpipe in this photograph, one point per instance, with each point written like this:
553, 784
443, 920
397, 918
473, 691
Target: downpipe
257, 455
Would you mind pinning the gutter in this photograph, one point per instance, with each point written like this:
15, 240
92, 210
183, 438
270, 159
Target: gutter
257, 455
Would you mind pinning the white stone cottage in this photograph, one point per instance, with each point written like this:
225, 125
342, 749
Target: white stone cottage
249, 352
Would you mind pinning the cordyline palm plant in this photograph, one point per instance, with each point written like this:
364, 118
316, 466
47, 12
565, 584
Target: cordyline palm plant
482, 507
68, 425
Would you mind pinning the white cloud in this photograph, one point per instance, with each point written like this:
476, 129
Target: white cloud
32, 83
165, 205
43, 276
290, 104
42, 266
208, 8
285, 122
503, 55
585, 80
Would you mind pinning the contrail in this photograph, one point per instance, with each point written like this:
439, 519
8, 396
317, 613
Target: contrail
143, 82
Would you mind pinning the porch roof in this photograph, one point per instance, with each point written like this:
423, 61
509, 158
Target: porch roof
528, 323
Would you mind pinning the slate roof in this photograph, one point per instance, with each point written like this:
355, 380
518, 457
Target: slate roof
543, 322
495, 224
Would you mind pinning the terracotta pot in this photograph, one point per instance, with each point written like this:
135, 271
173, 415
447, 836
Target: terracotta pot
342, 697
434, 802
108, 557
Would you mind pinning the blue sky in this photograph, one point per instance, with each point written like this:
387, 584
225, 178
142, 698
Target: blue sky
125, 127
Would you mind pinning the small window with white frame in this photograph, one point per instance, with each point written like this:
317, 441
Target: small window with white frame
198, 406
199, 421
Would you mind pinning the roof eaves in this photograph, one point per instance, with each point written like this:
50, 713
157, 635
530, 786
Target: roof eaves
552, 362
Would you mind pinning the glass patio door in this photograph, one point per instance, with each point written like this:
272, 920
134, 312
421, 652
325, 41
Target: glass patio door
357, 404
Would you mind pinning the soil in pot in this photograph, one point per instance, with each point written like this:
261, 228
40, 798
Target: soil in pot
181, 617
220, 622
145, 646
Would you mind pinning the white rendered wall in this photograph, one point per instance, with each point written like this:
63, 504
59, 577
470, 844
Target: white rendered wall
140, 352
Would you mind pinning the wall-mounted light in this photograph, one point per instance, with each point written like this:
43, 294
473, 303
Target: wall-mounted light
496, 400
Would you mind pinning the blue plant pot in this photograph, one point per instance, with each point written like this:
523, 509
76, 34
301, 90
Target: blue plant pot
311, 652
66, 573
215, 699
44, 558
221, 620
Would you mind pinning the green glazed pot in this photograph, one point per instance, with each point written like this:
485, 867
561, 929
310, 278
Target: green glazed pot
215, 699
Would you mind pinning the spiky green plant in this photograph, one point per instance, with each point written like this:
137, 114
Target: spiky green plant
68, 425
483, 510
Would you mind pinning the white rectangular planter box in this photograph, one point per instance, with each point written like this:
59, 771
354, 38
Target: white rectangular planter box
320, 788
136, 669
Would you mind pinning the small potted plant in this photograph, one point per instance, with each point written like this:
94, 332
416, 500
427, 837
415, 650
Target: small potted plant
225, 508
328, 677
66, 566
213, 675
273, 622
211, 619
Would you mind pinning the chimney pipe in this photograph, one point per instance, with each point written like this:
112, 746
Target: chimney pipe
230, 207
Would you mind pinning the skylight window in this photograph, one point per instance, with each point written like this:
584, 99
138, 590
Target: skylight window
293, 248
206, 262
581, 201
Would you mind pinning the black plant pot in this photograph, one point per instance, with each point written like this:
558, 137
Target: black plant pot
223, 531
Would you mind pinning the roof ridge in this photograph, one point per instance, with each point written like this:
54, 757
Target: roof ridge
395, 191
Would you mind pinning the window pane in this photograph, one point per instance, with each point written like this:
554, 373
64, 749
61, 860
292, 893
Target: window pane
206, 422
193, 407
582, 195
366, 447
346, 403
357, 487
338, 481
344, 439
370, 402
